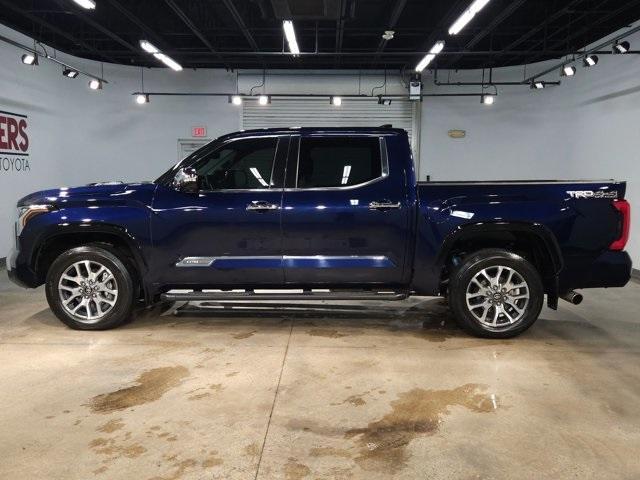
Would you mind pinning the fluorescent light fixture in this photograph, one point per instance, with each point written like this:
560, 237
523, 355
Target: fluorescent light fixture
436, 49
290, 34
346, 171
256, 174
621, 47
70, 72
95, 84
168, 61
336, 101
537, 85
466, 16
88, 4
488, 99
142, 98
235, 99
30, 59
568, 71
590, 60
148, 47
264, 99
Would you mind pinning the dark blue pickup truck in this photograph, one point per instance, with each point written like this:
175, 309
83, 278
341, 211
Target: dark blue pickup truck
320, 213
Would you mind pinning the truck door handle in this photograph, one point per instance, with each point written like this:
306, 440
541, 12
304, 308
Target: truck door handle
261, 206
383, 205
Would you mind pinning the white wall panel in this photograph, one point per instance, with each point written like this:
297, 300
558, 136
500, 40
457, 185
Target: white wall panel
318, 112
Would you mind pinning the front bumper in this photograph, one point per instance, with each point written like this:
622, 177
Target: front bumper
19, 271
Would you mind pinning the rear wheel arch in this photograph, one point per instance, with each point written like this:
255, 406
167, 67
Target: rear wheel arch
532, 241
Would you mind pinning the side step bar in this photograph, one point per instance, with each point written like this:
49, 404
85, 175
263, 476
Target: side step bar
204, 296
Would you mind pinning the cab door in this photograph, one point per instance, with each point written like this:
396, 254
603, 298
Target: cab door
228, 234
345, 214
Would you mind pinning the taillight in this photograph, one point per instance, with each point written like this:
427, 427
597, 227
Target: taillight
624, 209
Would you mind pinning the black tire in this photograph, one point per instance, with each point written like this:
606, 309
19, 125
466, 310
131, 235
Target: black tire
462, 277
123, 306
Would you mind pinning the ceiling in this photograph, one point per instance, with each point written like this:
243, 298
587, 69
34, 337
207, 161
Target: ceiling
345, 33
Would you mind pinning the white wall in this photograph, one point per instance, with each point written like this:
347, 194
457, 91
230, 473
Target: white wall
586, 128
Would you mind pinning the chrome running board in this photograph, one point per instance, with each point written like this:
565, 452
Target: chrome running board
280, 294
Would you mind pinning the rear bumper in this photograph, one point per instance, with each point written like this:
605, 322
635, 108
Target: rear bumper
609, 269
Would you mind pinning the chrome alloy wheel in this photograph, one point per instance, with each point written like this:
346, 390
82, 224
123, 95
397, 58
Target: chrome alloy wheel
497, 296
88, 290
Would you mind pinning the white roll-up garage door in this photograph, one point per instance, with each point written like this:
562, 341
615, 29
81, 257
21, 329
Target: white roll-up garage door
318, 112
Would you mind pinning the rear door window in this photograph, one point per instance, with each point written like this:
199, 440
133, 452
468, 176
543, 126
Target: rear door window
338, 162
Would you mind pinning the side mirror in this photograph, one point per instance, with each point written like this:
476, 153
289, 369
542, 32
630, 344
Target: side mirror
186, 180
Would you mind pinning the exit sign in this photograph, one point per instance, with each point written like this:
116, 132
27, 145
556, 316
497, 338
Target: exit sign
198, 131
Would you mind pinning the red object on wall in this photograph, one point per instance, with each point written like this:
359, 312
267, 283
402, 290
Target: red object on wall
198, 131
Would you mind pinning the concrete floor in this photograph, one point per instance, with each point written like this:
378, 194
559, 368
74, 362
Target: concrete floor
325, 394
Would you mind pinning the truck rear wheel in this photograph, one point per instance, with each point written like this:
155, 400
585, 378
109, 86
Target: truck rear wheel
496, 294
90, 288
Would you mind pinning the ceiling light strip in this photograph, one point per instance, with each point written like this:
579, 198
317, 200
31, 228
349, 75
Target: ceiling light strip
149, 47
435, 50
467, 16
290, 35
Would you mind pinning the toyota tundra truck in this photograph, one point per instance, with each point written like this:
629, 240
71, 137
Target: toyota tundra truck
320, 213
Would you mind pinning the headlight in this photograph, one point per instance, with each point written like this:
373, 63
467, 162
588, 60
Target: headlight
28, 212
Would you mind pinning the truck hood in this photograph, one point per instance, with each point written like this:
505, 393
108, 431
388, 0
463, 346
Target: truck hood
95, 191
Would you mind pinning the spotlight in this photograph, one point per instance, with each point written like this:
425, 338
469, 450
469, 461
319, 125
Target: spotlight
384, 101
621, 47
336, 101
95, 84
88, 4
388, 35
568, 71
70, 72
235, 99
30, 59
488, 99
264, 99
142, 98
537, 85
590, 60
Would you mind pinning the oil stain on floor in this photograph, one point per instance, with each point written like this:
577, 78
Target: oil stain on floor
382, 444
325, 332
150, 386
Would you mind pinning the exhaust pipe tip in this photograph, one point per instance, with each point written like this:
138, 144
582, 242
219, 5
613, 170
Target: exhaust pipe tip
572, 297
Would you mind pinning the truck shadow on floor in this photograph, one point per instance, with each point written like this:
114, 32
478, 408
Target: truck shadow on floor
429, 319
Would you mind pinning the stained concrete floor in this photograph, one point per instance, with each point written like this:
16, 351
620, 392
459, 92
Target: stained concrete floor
340, 392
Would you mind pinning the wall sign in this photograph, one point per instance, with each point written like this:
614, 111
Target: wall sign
14, 142
457, 133
198, 131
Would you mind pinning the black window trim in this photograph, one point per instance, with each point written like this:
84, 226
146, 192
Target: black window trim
273, 163
384, 171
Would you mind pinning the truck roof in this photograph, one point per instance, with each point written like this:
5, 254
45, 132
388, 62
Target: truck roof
307, 130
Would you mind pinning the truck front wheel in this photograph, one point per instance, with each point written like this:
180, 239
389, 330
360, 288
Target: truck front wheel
90, 288
496, 294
